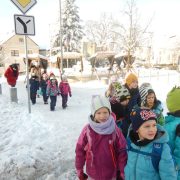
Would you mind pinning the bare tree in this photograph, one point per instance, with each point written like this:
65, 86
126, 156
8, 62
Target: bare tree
100, 31
129, 30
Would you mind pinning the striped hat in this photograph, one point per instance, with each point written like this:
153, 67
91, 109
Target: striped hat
144, 90
98, 102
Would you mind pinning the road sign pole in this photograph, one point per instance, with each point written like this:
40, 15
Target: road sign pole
24, 6
27, 74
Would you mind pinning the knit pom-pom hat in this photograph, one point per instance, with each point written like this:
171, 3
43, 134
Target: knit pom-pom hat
141, 115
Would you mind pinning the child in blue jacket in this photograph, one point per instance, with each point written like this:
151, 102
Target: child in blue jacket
149, 100
144, 133
172, 124
43, 85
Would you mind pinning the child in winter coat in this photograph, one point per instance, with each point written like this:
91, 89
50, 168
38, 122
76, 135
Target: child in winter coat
101, 145
131, 83
43, 86
65, 90
149, 100
111, 89
12, 74
34, 86
143, 135
119, 106
172, 124
52, 91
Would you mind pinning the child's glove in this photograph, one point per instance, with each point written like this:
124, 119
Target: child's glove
70, 95
178, 130
118, 176
82, 175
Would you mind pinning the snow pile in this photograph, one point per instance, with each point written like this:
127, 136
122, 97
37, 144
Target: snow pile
41, 145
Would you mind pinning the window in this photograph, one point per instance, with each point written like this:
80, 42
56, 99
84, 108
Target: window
14, 53
21, 40
30, 51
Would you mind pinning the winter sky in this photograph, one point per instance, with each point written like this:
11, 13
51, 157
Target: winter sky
46, 13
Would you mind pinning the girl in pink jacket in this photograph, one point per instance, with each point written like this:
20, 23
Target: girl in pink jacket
65, 91
101, 145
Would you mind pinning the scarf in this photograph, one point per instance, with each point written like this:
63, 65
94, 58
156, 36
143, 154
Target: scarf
103, 128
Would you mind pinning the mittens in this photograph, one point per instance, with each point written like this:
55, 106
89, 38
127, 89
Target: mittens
118, 175
81, 175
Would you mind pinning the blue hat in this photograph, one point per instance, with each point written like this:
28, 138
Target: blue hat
141, 115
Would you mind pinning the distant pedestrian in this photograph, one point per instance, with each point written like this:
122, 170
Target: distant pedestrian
52, 91
34, 86
101, 145
65, 90
43, 86
12, 74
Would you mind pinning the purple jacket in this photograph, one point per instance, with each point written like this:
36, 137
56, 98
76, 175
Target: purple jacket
105, 156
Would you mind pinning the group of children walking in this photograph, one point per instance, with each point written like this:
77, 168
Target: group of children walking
127, 137
49, 88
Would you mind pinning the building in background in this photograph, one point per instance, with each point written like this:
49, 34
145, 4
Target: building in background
12, 50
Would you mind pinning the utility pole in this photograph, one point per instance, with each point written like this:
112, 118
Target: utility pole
60, 36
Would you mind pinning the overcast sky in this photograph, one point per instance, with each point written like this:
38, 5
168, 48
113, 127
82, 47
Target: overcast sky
166, 13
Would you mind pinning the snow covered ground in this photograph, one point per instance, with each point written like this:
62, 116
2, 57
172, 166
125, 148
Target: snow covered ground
41, 145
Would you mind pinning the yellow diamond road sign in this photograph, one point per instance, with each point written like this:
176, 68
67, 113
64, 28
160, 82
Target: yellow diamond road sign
24, 5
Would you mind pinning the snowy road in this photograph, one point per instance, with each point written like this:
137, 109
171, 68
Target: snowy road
41, 145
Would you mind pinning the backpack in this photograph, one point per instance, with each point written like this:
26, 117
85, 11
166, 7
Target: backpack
155, 154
